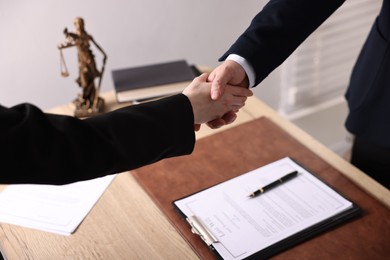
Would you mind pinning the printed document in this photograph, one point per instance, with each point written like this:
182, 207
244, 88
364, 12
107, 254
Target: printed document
244, 225
56, 209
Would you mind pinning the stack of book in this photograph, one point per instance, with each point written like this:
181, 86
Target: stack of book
152, 81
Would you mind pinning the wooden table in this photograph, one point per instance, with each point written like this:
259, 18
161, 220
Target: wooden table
126, 224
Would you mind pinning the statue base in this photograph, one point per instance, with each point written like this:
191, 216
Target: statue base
84, 109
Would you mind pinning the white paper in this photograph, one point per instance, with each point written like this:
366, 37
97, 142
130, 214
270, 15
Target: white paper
246, 225
51, 208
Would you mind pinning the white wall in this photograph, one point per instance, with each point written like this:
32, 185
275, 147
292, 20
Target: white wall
132, 32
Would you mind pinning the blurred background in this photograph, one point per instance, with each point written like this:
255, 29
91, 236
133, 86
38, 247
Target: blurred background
308, 88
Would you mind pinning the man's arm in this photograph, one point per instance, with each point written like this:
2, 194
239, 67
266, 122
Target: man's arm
274, 33
54, 149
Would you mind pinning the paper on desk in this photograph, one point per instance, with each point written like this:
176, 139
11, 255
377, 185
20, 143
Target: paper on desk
56, 209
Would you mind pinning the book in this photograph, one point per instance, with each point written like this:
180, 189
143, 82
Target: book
237, 226
152, 81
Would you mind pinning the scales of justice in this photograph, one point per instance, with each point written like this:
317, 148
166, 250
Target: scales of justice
88, 102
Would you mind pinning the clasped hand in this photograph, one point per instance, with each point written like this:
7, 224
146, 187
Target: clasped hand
216, 98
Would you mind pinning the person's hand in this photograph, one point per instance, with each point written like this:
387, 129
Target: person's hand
226, 119
205, 109
229, 72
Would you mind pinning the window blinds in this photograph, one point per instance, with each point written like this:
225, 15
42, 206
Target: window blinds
317, 73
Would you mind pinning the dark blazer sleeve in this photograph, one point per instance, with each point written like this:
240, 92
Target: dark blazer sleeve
45, 148
278, 30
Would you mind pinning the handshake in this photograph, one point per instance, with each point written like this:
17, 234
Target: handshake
216, 98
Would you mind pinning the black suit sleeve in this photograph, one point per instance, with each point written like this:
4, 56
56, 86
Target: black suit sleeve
278, 30
44, 148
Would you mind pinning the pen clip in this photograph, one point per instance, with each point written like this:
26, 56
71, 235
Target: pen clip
197, 227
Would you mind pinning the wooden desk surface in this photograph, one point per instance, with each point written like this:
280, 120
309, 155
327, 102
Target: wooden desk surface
126, 224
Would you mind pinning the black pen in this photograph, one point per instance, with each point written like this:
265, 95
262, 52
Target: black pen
282, 179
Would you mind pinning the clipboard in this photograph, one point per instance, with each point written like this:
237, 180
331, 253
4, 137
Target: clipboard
328, 209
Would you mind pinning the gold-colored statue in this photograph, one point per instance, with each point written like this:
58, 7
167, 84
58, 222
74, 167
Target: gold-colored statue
88, 102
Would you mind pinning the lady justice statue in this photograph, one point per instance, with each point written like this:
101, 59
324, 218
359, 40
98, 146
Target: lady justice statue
88, 102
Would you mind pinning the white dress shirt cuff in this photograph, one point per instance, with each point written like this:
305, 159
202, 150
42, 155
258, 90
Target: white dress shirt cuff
246, 66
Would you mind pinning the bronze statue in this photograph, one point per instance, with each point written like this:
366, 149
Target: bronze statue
88, 103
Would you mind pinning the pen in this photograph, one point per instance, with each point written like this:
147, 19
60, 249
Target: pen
267, 187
